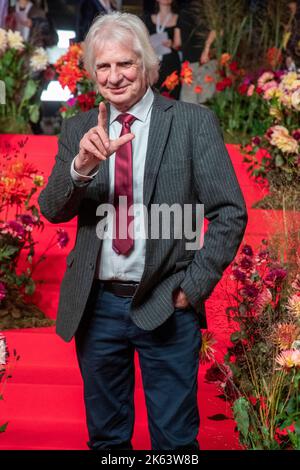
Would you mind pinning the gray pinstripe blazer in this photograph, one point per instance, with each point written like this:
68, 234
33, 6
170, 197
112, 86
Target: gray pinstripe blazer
186, 163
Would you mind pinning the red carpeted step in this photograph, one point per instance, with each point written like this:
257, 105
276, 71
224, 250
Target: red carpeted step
43, 401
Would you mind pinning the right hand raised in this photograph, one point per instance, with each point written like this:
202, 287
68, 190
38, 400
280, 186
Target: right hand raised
96, 146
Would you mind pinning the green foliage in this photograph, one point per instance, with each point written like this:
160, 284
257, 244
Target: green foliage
241, 410
260, 375
19, 221
22, 71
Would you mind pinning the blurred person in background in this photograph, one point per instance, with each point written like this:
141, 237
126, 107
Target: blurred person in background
87, 12
3, 12
293, 30
23, 21
33, 22
165, 37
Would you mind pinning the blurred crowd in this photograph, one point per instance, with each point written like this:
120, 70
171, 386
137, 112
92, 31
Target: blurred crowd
179, 32
31, 19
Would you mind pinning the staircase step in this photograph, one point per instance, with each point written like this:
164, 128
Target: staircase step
46, 359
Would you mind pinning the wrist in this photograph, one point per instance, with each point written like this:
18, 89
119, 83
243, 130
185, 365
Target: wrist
83, 169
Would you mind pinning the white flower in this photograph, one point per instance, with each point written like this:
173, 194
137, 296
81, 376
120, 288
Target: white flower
296, 99
39, 60
288, 80
3, 40
15, 40
296, 344
3, 351
280, 138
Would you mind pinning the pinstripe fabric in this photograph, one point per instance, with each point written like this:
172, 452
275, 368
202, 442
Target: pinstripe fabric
186, 163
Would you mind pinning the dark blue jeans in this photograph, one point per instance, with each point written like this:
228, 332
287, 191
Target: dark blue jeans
169, 360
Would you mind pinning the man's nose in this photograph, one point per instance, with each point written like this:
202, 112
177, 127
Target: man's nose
114, 75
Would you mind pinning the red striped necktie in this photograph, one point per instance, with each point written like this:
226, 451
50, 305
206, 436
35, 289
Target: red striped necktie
122, 241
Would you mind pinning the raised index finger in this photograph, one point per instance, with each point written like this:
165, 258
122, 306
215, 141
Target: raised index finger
102, 116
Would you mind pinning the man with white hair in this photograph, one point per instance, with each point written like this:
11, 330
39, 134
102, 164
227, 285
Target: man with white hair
123, 293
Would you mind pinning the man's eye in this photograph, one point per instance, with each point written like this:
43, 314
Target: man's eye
102, 67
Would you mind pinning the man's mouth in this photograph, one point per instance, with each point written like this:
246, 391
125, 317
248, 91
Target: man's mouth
118, 90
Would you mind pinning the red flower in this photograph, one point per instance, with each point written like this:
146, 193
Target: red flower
274, 57
49, 73
198, 89
252, 400
186, 73
242, 89
86, 101
208, 79
225, 83
171, 82
233, 66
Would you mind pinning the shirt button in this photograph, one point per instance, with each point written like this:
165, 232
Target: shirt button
92, 265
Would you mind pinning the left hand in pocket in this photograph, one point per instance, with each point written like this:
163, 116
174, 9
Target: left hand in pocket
180, 300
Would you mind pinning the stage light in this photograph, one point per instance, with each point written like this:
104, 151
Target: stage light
55, 92
64, 38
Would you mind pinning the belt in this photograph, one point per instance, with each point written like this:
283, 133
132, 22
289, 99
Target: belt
122, 289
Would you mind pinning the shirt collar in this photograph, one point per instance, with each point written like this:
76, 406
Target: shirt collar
140, 110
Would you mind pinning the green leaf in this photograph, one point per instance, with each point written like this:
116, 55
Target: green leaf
30, 288
34, 113
3, 427
241, 416
30, 90
236, 336
7, 252
279, 161
297, 427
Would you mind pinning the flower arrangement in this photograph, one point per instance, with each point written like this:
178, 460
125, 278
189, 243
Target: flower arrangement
173, 80
5, 369
241, 112
280, 164
23, 68
260, 375
19, 221
71, 74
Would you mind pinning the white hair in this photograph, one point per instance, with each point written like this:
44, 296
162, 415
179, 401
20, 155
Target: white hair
121, 28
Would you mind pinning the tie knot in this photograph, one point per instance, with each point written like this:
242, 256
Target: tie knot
126, 120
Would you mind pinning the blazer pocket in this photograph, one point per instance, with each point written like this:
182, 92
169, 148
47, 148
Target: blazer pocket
183, 264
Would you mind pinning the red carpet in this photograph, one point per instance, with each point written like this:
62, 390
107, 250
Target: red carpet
43, 402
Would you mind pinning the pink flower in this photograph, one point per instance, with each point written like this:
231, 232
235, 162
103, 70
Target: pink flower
275, 276
289, 359
2, 291
250, 90
263, 299
256, 141
247, 250
250, 291
62, 238
3, 351
239, 275
265, 77
13, 228
246, 263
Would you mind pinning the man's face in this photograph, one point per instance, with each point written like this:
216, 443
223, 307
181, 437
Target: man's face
120, 78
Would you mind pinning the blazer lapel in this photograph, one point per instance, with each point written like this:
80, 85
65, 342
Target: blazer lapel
102, 178
158, 134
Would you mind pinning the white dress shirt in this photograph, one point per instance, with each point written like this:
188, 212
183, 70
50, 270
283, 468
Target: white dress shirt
113, 266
